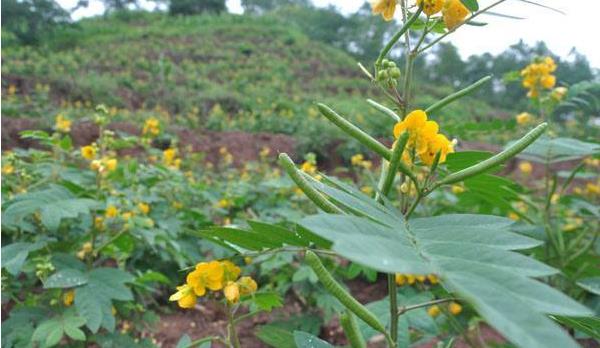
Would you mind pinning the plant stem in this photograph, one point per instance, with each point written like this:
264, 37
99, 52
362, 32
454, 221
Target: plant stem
393, 294
396, 37
234, 341
402, 310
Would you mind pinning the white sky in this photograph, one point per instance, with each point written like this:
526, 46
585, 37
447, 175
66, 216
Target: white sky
579, 27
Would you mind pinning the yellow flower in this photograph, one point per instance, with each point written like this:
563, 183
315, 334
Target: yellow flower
592, 188
421, 278
384, 7
433, 279
513, 216
232, 292
524, 118
68, 298
424, 137
127, 215
357, 159
247, 286
559, 93
111, 211
177, 205
206, 275
431, 7
308, 167
144, 208
525, 167
224, 203
548, 81
62, 124
537, 76
87, 247
8, 169
400, 279
88, 152
169, 156
454, 308
433, 311
185, 296
110, 164
454, 13
230, 271
457, 189
151, 127
410, 279
367, 190
99, 222
439, 143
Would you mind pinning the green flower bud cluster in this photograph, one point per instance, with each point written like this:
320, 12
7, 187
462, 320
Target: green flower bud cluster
388, 72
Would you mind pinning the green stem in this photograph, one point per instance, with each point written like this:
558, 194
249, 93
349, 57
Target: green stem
388, 47
457, 95
495, 160
402, 310
393, 293
319, 200
234, 340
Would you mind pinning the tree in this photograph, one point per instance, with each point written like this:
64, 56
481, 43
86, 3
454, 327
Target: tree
30, 20
191, 7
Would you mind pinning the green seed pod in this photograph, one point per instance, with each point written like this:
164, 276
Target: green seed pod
382, 75
341, 294
351, 330
394, 73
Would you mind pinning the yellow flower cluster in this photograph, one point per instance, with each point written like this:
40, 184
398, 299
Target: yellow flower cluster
358, 160
170, 158
453, 11
151, 127
226, 155
8, 169
87, 248
410, 279
62, 124
524, 118
144, 208
453, 307
525, 167
89, 152
104, 165
424, 138
538, 75
214, 276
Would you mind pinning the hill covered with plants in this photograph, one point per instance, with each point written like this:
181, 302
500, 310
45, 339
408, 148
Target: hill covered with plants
219, 73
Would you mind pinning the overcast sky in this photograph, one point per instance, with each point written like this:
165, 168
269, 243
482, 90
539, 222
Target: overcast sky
578, 27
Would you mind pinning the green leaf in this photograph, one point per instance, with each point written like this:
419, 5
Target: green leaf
14, 255
474, 258
93, 301
588, 325
54, 204
553, 150
306, 340
276, 337
184, 342
52, 330
472, 5
591, 284
66, 278
266, 301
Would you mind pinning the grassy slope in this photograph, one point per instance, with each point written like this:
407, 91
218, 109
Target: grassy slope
226, 72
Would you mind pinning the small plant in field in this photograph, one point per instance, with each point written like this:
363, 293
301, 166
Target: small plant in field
474, 263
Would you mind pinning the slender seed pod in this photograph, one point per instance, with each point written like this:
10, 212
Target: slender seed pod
364, 138
497, 159
341, 294
457, 95
288, 165
394, 163
351, 330
385, 110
